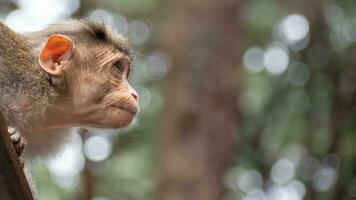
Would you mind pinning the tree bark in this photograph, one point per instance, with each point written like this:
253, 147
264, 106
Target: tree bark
13, 183
200, 119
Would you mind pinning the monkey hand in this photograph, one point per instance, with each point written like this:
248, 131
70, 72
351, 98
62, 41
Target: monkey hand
17, 140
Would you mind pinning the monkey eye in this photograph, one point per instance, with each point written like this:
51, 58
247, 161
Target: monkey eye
119, 66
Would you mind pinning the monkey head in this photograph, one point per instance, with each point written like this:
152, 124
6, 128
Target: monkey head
96, 73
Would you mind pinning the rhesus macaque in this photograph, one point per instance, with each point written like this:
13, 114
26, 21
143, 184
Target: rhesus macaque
71, 74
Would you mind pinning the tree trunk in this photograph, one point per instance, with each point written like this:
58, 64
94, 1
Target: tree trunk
200, 119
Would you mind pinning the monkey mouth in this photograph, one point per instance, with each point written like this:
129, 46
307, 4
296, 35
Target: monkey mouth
132, 110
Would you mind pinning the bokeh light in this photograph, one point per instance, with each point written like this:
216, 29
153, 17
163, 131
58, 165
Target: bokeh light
309, 167
298, 74
115, 20
250, 180
333, 14
158, 65
286, 192
256, 194
282, 171
97, 148
102, 15
30, 14
253, 59
276, 58
138, 32
324, 179
65, 168
294, 28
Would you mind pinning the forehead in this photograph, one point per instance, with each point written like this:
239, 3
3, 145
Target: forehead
104, 53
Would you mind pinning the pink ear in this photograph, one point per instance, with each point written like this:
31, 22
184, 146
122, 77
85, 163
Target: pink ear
58, 48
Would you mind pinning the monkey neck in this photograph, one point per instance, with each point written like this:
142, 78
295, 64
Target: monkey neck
58, 116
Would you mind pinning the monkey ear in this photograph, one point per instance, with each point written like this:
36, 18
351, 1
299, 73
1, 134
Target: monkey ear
53, 56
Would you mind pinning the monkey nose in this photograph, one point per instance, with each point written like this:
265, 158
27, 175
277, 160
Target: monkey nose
134, 95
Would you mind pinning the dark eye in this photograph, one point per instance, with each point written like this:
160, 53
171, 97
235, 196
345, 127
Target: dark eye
119, 66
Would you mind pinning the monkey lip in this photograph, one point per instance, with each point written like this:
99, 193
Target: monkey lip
131, 110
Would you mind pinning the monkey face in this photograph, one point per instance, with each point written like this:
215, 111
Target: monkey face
101, 94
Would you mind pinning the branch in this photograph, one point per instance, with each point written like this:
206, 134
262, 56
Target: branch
13, 182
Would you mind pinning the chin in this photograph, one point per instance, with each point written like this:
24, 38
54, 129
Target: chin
121, 121
113, 128
112, 119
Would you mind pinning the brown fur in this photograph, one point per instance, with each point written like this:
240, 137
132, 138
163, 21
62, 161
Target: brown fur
21, 80
27, 91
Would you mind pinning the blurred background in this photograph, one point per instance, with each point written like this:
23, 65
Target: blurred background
240, 99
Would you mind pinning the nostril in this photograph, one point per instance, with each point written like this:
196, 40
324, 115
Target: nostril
135, 96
